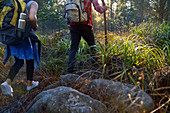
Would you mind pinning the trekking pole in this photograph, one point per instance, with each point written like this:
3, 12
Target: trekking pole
105, 27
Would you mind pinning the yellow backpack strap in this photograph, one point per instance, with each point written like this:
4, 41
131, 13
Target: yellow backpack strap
1, 1
23, 5
15, 16
6, 9
0, 5
3, 13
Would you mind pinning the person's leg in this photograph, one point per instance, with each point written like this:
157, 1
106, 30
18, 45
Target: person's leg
75, 40
30, 71
15, 68
6, 86
88, 36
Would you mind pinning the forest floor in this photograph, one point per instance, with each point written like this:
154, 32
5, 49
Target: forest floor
21, 97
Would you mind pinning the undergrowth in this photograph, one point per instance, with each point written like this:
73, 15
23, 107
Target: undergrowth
141, 59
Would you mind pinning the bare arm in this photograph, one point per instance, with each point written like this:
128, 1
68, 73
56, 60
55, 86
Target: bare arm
33, 15
98, 7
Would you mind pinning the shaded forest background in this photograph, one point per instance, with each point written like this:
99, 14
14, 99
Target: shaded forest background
121, 14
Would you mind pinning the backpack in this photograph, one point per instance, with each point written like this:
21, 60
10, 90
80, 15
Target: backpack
10, 11
74, 11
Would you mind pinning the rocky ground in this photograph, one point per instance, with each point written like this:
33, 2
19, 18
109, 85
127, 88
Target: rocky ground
21, 97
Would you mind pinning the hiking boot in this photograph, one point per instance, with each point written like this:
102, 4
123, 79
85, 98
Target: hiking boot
6, 89
34, 84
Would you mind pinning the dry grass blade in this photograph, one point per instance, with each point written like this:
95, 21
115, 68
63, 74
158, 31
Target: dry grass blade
160, 106
116, 73
162, 88
86, 73
86, 76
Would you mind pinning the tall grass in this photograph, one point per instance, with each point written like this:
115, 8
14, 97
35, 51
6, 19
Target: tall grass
133, 50
54, 55
158, 34
138, 56
3, 70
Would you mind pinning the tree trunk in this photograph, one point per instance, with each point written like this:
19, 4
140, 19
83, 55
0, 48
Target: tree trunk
111, 16
167, 14
161, 11
141, 10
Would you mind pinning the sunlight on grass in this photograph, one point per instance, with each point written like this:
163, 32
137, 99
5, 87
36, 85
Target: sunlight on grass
141, 58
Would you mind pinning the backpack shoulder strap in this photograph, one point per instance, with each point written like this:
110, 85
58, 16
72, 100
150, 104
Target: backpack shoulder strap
19, 7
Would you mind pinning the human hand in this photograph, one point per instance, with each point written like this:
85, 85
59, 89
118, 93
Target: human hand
105, 7
36, 27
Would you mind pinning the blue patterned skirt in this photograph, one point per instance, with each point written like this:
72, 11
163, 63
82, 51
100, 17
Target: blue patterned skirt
25, 50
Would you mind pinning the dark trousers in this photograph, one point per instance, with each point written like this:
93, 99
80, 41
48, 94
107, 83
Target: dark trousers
76, 32
17, 66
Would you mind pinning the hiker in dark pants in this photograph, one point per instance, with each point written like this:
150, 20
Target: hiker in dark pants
84, 29
27, 50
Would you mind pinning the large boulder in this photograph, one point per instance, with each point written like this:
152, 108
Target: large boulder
94, 97
119, 97
65, 100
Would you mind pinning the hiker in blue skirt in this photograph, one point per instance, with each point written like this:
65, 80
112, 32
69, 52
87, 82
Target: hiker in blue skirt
27, 51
